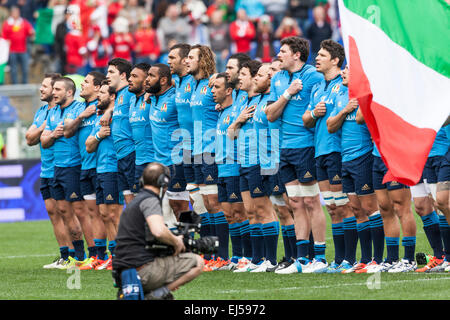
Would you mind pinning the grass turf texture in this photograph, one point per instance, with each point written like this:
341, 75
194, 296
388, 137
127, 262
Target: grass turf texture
27, 246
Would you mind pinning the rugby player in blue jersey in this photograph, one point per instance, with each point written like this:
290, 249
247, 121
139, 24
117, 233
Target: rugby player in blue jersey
33, 136
434, 221
290, 94
81, 124
394, 201
100, 142
118, 73
268, 143
164, 123
357, 163
228, 171
67, 161
264, 228
183, 87
201, 65
139, 120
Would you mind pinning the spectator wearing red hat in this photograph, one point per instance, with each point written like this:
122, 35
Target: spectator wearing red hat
121, 40
76, 51
100, 51
147, 47
242, 32
16, 31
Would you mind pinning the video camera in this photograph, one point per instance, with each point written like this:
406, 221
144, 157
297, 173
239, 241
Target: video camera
188, 225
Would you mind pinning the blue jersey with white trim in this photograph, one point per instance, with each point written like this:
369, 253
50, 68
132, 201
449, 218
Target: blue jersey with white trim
47, 157
88, 160
247, 141
325, 91
120, 126
164, 122
355, 138
184, 86
267, 134
105, 154
66, 150
294, 134
225, 147
205, 117
141, 130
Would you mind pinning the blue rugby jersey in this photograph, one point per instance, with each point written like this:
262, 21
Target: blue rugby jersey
440, 145
267, 134
47, 157
164, 122
120, 125
105, 155
355, 138
225, 156
294, 134
325, 91
141, 130
247, 140
66, 150
88, 160
183, 88
204, 116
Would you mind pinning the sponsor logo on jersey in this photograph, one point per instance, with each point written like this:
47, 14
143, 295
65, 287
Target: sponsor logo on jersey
365, 188
307, 175
109, 198
73, 195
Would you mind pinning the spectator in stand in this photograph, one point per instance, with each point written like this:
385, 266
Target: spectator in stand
253, 8
134, 13
172, 26
288, 28
100, 51
242, 32
299, 10
76, 51
114, 8
318, 31
147, 44
59, 47
224, 6
17, 31
276, 9
199, 33
219, 38
4, 13
264, 39
121, 40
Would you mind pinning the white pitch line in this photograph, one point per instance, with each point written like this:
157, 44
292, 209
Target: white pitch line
331, 286
29, 256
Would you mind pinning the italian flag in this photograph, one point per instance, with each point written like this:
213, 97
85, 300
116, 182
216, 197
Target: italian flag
399, 62
4, 54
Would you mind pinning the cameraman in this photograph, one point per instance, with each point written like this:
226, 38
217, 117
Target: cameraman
141, 222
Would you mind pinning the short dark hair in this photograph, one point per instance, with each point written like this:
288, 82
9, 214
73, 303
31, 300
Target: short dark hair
98, 77
111, 90
152, 172
183, 51
69, 84
297, 44
253, 66
52, 76
164, 71
124, 66
228, 84
143, 66
241, 58
334, 49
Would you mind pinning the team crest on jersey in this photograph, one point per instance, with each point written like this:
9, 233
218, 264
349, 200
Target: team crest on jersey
263, 108
242, 99
164, 107
336, 88
204, 89
142, 106
120, 101
227, 119
187, 88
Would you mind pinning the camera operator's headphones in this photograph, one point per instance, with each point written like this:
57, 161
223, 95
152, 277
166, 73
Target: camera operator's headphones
162, 181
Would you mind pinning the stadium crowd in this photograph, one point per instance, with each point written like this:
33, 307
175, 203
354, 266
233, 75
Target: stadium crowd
80, 36
251, 149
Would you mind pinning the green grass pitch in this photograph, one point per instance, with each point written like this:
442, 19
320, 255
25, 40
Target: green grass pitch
26, 246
